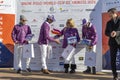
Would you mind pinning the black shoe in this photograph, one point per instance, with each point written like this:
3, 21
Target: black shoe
73, 67
19, 71
72, 71
66, 66
88, 70
28, 69
115, 78
66, 70
93, 70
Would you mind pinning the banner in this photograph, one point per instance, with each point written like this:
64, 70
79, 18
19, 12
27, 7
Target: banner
7, 21
36, 12
107, 4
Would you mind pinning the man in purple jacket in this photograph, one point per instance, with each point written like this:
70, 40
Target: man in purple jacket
43, 41
19, 34
89, 33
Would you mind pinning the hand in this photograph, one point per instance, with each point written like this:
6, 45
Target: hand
57, 41
16, 42
113, 34
25, 41
90, 47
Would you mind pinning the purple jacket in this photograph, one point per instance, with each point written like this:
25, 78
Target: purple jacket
44, 37
69, 32
20, 32
89, 33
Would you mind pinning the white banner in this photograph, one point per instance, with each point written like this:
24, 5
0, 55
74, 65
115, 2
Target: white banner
36, 12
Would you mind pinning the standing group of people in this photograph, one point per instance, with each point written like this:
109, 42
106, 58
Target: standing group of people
21, 30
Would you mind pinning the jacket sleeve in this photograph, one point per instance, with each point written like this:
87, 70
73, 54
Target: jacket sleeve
14, 32
78, 37
61, 33
46, 29
83, 35
29, 30
107, 30
94, 36
118, 34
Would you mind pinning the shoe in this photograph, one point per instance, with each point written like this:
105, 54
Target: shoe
93, 70
72, 71
73, 67
66, 66
28, 69
66, 70
45, 71
88, 70
19, 71
115, 78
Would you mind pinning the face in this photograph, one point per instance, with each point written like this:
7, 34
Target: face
23, 21
86, 25
112, 15
50, 21
68, 24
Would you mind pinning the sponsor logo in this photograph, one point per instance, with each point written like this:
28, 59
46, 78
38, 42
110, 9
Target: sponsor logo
39, 11
24, 11
63, 10
52, 10
61, 25
34, 26
61, 63
81, 58
90, 9
77, 10
34, 20
4, 5
112, 2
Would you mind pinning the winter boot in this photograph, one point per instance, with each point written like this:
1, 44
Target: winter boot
73, 67
93, 70
66, 66
88, 70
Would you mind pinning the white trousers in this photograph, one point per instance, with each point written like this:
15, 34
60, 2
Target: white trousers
44, 55
19, 56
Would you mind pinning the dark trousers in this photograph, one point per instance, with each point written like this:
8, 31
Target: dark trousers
113, 54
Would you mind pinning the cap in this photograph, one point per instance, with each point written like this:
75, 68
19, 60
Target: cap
84, 21
22, 17
51, 17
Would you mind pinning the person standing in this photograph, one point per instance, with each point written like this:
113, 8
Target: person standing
113, 32
43, 41
19, 34
89, 33
70, 34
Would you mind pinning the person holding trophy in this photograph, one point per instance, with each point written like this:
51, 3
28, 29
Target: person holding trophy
89, 36
71, 37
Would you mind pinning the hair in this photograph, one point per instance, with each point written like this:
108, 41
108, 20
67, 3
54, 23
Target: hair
70, 22
113, 10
